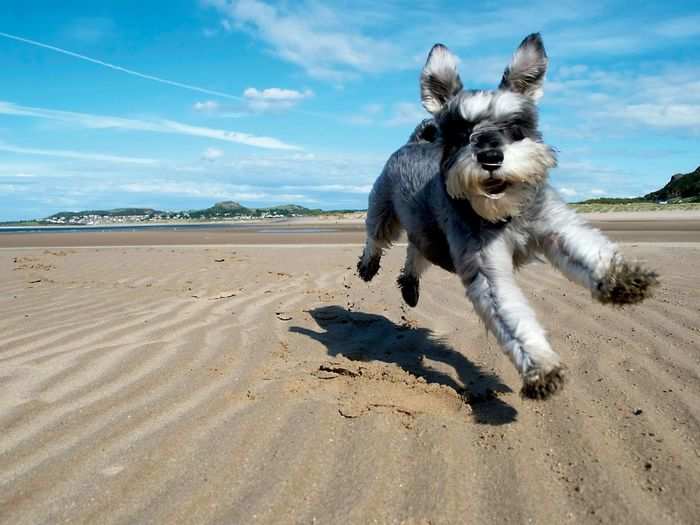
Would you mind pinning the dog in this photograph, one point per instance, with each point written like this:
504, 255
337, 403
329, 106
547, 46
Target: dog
470, 190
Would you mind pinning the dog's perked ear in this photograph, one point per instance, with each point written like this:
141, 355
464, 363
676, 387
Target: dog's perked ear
525, 74
439, 80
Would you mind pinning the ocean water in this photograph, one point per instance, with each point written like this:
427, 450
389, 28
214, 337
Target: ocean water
255, 228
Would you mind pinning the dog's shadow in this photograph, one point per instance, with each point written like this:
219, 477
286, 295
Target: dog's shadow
368, 337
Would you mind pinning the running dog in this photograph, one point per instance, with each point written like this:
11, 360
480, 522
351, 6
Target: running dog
470, 189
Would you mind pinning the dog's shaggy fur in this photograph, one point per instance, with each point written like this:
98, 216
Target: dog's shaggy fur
470, 189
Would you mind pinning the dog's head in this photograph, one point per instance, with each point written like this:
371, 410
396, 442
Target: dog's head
493, 153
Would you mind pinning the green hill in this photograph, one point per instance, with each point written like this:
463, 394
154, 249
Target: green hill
117, 212
220, 210
683, 187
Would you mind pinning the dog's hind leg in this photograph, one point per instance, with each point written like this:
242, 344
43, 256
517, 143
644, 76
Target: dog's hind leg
488, 277
587, 257
382, 228
409, 280
368, 265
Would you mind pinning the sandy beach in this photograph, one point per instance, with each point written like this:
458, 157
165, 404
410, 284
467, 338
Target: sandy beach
160, 377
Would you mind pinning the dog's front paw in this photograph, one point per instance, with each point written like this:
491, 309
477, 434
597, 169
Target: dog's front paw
367, 269
625, 283
544, 385
409, 286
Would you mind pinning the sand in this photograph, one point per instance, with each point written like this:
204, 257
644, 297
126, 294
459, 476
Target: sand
621, 227
268, 384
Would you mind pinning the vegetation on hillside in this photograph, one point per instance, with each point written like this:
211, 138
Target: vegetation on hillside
683, 188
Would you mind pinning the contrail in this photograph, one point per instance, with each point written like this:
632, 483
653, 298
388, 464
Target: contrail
119, 68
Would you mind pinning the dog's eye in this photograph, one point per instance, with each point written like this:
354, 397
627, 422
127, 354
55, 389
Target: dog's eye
458, 136
463, 136
516, 134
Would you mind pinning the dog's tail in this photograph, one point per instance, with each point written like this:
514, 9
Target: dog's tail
426, 131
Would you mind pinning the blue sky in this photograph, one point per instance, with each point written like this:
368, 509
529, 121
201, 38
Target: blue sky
179, 104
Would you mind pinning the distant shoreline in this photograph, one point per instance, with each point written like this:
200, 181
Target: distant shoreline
667, 227
591, 211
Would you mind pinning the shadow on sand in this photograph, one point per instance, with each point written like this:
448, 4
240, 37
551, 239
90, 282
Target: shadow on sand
369, 337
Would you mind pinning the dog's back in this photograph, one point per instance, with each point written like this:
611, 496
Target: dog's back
409, 195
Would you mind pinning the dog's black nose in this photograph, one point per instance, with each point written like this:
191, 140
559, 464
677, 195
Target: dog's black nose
490, 159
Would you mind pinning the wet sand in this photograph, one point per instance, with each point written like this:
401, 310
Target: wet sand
621, 227
268, 384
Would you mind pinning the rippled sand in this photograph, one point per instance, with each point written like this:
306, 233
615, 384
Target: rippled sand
268, 384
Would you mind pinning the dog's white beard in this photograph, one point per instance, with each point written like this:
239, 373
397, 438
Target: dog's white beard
525, 164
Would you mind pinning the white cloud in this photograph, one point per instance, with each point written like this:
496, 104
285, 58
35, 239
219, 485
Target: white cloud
212, 154
92, 121
274, 98
80, 155
680, 27
20, 175
367, 115
597, 191
258, 178
407, 113
568, 192
226, 25
311, 36
214, 191
206, 106
668, 96
401, 114
334, 188
663, 115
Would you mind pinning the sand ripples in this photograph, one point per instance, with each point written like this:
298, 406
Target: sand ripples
231, 385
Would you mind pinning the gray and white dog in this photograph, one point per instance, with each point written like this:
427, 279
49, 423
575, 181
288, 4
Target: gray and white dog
470, 190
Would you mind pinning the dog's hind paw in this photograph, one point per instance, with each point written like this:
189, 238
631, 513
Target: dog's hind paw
367, 269
545, 385
626, 284
409, 286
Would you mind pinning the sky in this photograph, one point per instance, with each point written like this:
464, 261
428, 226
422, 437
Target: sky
179, 104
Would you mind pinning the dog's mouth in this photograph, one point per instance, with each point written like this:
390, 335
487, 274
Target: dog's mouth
494, 188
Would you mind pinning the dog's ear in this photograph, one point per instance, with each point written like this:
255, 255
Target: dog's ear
525, 74
439, 81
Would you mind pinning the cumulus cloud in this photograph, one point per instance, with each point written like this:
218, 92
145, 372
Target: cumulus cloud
206, 106
274, 98
93, 121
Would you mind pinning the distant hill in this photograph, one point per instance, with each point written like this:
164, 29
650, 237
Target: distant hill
682, 188
235, 209
220, 210
117, 212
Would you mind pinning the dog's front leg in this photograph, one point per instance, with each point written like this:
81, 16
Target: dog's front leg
587, 257
490, 284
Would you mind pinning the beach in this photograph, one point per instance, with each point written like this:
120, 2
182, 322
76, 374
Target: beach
230, 376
